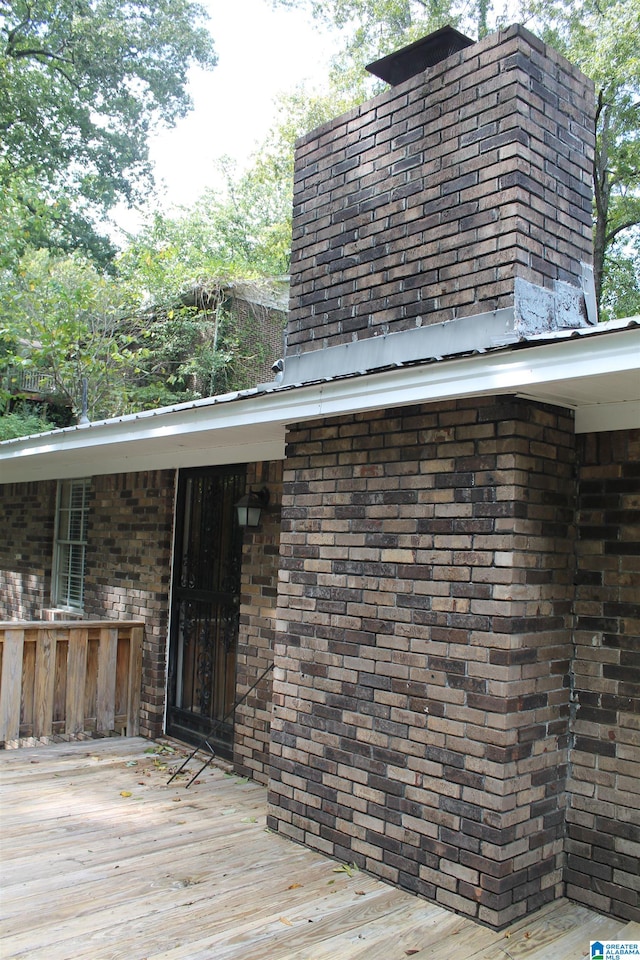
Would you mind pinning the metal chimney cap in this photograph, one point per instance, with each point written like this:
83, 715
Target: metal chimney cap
416, 57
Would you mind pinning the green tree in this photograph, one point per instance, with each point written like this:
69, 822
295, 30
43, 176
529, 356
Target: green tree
22, 421
238, 230
621, 280
83, 83
602, 37
62, 319
370, 29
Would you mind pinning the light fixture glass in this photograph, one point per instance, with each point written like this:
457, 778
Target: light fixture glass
250, 507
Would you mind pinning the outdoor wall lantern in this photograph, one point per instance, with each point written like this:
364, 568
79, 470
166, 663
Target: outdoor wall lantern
251, 506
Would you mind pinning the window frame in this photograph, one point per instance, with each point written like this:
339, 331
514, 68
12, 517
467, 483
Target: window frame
70, 544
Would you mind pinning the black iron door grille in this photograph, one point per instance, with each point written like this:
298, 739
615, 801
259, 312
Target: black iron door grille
205, 605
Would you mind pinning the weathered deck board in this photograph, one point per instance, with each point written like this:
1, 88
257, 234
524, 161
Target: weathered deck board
175, 874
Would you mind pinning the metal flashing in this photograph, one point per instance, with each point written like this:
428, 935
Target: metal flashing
416, 57
432, 342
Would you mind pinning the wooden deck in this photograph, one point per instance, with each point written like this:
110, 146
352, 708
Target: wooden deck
103, 861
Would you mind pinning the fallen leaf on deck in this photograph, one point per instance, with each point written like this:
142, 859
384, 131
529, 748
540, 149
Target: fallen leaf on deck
131, 763
348, 868
410, 953
125, 793
360, 893
294, 886
251, 820
284, 920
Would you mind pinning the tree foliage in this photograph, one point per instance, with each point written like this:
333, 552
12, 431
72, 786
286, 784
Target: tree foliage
602, 37
83, 83
24, 420
156, 328
370, 29
62, 318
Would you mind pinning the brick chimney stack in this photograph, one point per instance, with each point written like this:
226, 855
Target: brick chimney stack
461, 195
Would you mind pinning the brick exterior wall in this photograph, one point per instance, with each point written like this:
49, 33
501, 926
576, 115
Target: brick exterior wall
128, 569
26, 548
456, 692
260, 562
128, 563
603, 819
425, 203
421, 700
260, 330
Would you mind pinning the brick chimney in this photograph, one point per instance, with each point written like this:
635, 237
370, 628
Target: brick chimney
455, 205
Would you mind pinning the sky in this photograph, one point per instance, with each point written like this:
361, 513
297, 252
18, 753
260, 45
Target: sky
261, 52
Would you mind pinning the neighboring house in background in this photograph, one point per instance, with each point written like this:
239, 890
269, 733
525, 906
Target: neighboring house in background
257, 310
446, 575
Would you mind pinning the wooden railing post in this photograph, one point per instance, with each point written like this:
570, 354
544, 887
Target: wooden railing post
45, 683
106, 694
76, 680
11, 684
135, 681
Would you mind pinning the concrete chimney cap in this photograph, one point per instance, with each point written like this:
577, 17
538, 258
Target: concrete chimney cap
416, 57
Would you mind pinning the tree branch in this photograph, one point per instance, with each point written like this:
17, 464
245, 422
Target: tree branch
39, 52
619, 229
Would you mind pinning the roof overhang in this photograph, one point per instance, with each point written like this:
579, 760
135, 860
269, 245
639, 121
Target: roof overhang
597, 376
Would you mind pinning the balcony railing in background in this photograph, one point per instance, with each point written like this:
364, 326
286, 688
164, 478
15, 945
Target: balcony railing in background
33, 382
69, 679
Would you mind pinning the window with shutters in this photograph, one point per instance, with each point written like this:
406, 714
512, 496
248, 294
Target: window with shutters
70, 544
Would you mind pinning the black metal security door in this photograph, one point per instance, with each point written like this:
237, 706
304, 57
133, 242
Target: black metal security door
205, 605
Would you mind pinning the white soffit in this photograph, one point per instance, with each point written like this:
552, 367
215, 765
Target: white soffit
597, 376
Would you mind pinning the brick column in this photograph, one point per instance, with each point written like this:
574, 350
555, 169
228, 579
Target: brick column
260, 560
421, 696
603, 842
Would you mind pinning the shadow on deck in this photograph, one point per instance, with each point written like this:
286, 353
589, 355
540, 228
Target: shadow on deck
102, 860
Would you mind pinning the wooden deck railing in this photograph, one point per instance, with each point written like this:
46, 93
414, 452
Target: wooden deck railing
69, 678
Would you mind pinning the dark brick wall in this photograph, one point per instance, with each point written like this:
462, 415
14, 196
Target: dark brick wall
260, 330
260, 562
603, 843
27, 512
128, 562
426, 202
129, 567
421, 699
